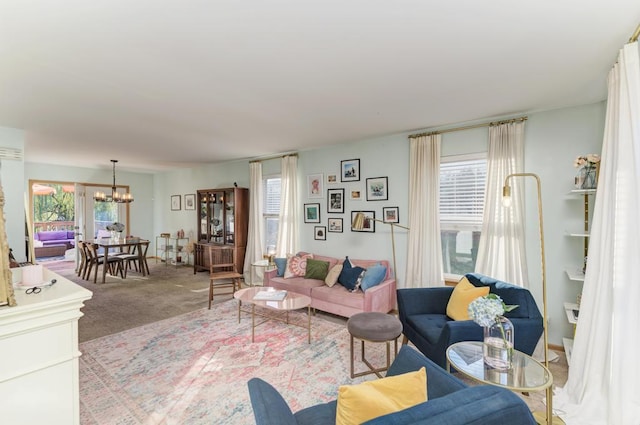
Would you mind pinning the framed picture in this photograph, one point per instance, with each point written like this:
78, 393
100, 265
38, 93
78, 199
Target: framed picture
312, 213
175, 202
314, 185
335, 200
320, 233
335, 225
355, 195
390, 215
377, 189
350, 170
369, 222
332, 178
190, 202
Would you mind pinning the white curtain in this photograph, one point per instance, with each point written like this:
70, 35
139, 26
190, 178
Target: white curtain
424, 251
604, 369
255, 237
289, 215
501, 251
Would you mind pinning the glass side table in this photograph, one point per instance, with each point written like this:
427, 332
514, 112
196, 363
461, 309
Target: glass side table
527, 374
264, 264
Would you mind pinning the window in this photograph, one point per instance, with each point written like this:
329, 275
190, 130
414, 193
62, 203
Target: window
271, 212
462, 187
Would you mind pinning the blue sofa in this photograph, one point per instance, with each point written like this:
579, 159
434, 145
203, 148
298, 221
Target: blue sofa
423, 313
450, 401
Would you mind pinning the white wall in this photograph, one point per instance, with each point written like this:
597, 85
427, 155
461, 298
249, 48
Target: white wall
12, 176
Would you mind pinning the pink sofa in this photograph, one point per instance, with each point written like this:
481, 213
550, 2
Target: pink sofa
337, 299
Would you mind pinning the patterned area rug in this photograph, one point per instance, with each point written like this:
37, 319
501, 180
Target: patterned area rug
193, 369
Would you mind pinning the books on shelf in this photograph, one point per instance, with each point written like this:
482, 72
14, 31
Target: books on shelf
265, 295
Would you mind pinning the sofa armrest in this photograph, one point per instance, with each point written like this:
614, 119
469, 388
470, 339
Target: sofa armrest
269, 408
477, 405
423, 300
381, 297
268, 275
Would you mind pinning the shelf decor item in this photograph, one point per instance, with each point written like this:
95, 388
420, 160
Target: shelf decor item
587, 176
488, 312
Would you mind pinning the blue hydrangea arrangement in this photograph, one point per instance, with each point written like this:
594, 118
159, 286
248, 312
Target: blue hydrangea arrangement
485, 310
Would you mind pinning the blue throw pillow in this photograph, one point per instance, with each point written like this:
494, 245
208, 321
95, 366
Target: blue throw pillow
349, 275
281, 264
373, 276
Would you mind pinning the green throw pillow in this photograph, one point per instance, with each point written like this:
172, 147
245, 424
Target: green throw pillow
316, 269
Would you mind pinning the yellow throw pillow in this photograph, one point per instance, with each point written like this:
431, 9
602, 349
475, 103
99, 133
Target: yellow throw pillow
332, 276
462, 295
368, 400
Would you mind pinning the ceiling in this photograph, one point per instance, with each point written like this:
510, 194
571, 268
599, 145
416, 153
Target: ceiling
164, 84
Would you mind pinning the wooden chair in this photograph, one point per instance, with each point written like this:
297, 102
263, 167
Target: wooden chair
136, 255
114, 263
222, 270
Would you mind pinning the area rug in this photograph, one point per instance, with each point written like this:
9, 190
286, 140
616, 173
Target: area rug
193, 369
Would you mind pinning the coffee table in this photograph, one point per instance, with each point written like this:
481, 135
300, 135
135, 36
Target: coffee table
527, 374
270, 309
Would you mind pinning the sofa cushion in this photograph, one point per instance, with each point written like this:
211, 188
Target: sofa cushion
510, 294
281, 265
71, 234
368, 400
51, 235
462, 295
316, 269
296, 265
430, 325
299, 285
373, 276
332, 276
349, 275
338, 295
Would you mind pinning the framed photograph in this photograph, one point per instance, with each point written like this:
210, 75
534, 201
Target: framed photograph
312, 213
335, 200
314, 185
350, 170
175, 202
335, 225
377, 189
355, 195
190, 202
369, 222
390, 215
320, 233
332, 178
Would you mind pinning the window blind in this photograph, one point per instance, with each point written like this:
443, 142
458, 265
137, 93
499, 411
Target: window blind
271, 196
462, 189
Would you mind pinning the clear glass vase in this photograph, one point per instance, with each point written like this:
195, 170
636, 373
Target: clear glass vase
498, 344
586, 178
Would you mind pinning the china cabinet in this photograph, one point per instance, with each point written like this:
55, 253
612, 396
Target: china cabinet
223, 219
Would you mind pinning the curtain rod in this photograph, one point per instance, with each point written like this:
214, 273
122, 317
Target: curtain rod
266, 158
635, 35
468, 127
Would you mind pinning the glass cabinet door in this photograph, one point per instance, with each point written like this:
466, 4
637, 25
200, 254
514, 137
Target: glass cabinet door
217, 217
230, 210
204, 217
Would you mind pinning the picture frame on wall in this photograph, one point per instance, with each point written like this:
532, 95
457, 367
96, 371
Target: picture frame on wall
312, 213
369, 221
377, 189
335, 225
355, 195
350, 170
190, 201
335, 200
390, 215
175, 202
315, 186
332, 178
320, 233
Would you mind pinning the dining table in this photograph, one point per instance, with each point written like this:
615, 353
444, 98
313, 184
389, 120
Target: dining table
121, 244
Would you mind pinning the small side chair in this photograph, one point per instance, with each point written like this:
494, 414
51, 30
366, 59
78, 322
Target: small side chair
222, 270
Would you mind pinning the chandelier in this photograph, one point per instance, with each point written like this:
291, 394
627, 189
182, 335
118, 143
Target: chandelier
115, 196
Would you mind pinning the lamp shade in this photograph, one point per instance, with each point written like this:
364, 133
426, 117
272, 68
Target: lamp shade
358, 221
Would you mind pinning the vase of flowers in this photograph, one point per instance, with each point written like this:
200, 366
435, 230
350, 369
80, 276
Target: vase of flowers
488, 312
587, 176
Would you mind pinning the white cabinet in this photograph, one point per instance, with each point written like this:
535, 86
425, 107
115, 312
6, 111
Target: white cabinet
39, 376
575, 273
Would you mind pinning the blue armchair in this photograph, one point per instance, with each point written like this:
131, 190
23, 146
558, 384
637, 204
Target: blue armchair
450, 401
423, 313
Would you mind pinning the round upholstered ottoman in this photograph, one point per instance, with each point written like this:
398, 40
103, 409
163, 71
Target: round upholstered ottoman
373, 327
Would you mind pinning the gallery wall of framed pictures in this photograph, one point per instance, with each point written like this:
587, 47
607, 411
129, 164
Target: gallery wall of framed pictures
346, 193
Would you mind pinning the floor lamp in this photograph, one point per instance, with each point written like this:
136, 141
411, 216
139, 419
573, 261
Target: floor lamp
359, 222
541, 418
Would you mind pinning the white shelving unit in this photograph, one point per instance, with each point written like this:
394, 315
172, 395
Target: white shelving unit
172, 250
576, 273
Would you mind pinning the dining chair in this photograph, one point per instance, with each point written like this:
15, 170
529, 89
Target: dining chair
222, 270
136, 255
114, 263
82, 264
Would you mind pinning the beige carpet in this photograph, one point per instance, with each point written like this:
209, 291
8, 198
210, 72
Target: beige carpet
121, 304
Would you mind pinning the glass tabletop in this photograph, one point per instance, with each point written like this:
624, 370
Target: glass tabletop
526, 374
291, 301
